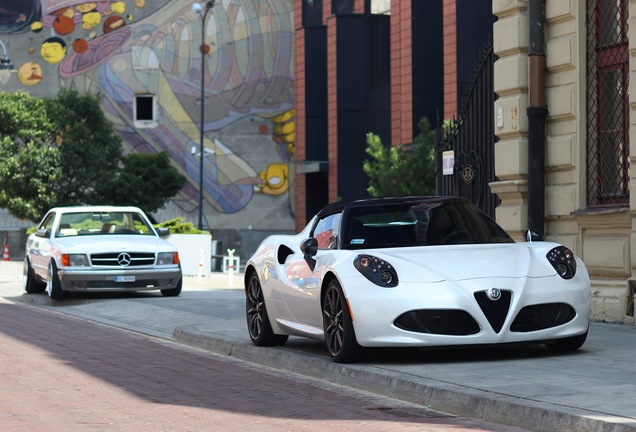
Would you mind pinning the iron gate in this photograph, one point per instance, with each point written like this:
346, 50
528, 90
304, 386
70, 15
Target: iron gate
464, 153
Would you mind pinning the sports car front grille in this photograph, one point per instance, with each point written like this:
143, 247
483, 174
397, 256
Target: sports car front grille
494, 310
542, 316
460, 323
112, 259
438, 321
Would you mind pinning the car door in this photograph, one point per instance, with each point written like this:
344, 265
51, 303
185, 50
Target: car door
302, 295
40, 248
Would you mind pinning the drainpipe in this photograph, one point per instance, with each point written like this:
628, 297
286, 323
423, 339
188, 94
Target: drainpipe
537, 113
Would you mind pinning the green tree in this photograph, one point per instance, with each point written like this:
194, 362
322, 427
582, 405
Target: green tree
64, 151
146, 181
402, 170
90, 148
28, 160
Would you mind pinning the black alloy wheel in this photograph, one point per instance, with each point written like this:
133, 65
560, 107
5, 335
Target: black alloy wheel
258, 324
338, 326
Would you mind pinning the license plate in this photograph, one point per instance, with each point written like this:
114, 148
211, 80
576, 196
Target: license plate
124, 278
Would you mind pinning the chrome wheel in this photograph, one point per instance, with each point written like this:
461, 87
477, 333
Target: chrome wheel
53, 285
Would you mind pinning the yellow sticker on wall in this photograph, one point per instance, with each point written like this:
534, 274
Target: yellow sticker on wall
30, 73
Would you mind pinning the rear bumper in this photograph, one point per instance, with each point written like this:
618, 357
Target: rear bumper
119, 280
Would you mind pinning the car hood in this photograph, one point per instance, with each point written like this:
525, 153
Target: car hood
456, 263
114, 243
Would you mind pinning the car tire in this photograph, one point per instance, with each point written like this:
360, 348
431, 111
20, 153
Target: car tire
173, 292
568, 344
258, 325
53, 285
340, 336
29, 282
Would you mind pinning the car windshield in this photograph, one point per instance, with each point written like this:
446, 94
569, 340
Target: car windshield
420, 224
102, 223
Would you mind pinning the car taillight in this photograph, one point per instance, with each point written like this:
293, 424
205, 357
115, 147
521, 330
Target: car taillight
563, 261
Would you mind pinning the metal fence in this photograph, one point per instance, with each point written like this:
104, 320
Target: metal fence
464, 153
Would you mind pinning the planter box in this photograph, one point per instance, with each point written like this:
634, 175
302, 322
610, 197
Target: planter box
192, 247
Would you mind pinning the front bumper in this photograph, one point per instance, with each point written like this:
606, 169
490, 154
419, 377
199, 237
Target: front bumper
375, 310
102, 280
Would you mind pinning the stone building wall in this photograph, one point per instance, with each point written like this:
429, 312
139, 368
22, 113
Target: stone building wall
604, 239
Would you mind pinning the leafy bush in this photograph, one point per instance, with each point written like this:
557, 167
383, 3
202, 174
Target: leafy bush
177, 226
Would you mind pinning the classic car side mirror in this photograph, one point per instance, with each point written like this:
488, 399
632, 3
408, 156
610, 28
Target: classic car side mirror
309, 248
533, 235
46, 233
163, 231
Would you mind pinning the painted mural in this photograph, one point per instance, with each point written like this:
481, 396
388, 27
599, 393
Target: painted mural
123, 49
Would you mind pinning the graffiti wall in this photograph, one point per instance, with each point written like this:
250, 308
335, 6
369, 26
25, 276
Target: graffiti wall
151, 61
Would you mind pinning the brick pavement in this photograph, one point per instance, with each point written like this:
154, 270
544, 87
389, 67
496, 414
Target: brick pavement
60, 373
530, 387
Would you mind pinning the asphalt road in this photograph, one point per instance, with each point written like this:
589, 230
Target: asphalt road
61, 372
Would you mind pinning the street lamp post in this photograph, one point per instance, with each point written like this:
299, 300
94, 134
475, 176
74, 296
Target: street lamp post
197, 8
5, 66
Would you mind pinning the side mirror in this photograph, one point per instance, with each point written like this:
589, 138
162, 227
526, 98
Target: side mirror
46, 233
533, 235
309, 248
163, 231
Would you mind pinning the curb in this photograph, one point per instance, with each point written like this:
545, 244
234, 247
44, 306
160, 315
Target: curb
437, 395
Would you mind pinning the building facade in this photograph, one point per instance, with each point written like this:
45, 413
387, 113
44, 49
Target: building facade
584, 82
362, 66
562, 113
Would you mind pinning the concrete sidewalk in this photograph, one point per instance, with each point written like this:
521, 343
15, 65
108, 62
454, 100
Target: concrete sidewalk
593, 389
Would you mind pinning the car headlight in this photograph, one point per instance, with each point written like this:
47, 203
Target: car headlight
376, 270
74, 260
563, 261
165, 258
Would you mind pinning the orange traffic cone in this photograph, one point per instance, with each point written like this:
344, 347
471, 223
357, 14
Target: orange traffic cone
5, 256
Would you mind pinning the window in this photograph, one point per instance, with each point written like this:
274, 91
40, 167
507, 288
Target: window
145, 111
342, 7
100, 223
607, 103
327, 230
426, 223
312, 13
48, 222
381, 7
